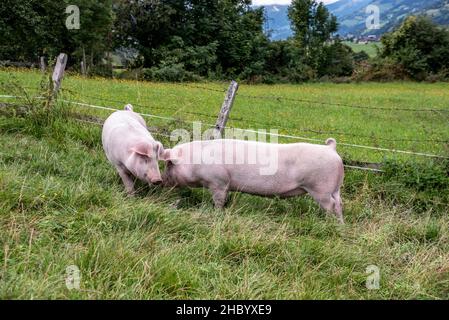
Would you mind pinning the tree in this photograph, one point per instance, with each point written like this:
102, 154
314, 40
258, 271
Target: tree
313, 26
30, 29
200, 36
337, 60
419, 46
147, 25
95, 34
33, 28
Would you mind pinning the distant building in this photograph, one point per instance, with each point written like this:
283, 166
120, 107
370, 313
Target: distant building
366, 39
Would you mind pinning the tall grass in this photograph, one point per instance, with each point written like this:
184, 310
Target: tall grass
62, 204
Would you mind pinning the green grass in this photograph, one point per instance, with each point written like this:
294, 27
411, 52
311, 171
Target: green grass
62, 204
370, 48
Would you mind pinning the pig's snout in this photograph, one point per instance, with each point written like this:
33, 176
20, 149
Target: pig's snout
156, 182
154, 179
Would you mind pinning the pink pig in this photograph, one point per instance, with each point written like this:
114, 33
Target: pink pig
260, 169
131, 148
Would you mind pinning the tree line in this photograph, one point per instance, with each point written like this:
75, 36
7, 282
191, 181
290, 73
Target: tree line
185, 40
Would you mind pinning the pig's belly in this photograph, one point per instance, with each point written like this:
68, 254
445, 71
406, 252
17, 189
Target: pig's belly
267, 186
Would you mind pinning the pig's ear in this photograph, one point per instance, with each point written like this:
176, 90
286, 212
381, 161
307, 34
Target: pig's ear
170, 156
142, 149
160, 150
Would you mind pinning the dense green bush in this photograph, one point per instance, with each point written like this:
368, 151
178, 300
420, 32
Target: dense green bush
169, 73
337, 60
419, 46
416, 50
379, 69
430, 176
360, 56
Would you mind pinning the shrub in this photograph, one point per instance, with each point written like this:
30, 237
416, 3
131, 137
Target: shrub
360, 56
429, 176
378, 69
419, 46
336, 61
101, 70
170, 73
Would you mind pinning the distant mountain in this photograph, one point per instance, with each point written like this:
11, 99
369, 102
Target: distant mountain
277, 22
352, 15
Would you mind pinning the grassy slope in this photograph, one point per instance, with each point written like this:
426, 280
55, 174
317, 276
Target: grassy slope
62, 204
370, 48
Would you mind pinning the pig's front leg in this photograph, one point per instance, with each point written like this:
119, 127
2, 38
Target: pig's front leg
128, 181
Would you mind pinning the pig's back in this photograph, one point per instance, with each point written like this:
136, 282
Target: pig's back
120, 130
124, 124
296, 165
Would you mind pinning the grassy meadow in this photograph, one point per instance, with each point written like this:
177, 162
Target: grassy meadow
370, 48
62, 203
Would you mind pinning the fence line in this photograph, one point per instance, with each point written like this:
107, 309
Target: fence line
272, 134
271, 125
253, 131
340, 133
364, 169
113, 109
204, 88
279, 98
151, 107
340, 104
14, 97
142, 114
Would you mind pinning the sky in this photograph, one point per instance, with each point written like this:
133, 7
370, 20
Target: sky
267, 2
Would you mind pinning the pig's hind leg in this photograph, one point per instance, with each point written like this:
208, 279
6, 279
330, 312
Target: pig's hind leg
219, 195
338, 208
329, 202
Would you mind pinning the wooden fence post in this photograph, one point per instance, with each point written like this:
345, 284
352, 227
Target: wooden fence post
84, 63
225, 110
42, 64
56, 79
83, 68
58, 73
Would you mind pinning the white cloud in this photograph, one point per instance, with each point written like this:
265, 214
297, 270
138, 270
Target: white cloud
268, 2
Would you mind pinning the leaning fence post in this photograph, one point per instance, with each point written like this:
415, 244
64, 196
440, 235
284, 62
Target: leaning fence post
226, 110
56, 79
58, 73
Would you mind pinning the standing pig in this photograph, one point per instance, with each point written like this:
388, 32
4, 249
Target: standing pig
131, 148
259, 168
